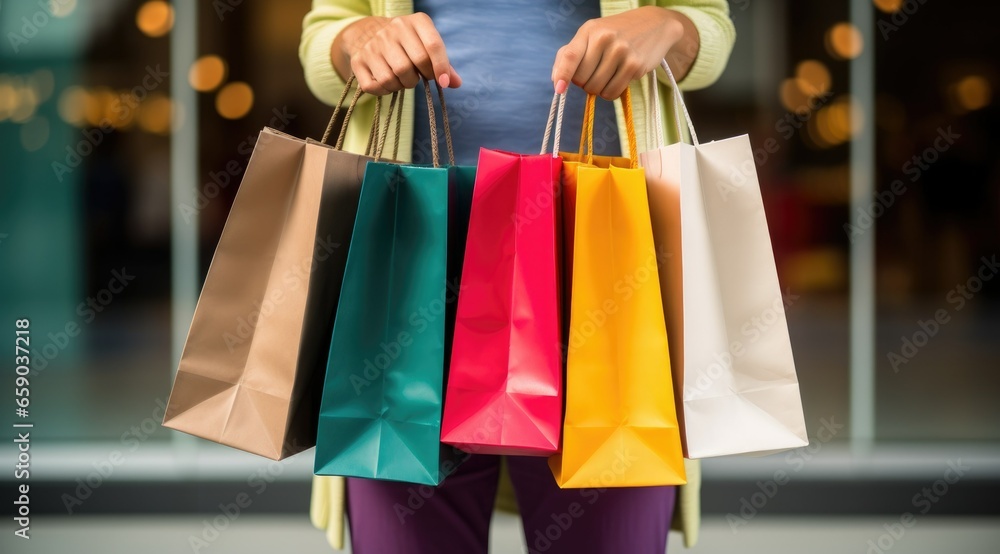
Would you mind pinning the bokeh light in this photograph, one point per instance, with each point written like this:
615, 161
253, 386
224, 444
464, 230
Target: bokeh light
793, 98
62, 8
98, 105
8, 97
155, 114
26, 102
813, 77
889, 6
844, 41
234, 100
73, 105
973, 92
123, 111
155, 18
836, 123
207, 73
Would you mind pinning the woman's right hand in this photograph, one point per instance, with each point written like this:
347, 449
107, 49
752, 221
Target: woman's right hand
387, 54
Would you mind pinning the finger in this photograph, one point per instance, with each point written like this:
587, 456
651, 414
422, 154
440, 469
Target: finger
386, 80
434, 46
363, 73
616, 86
601, 76
454, 79
569, 58
410, 41
414, 48
402, 66
589, 65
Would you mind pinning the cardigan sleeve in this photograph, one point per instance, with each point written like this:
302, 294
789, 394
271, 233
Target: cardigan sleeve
322, 24
716, 33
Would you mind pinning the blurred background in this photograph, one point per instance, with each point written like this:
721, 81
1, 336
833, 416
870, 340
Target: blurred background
125, 126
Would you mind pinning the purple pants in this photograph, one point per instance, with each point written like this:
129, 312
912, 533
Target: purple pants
403, 518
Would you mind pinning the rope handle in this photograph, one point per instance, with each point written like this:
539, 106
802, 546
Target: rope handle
447, 127
433, 121
396, 98
376, 141
654, 130
633, 150
399, 122
372, 146
588, 128
679, 106
336, 111
555, 113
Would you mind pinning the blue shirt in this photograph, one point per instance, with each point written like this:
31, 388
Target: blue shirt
504, 51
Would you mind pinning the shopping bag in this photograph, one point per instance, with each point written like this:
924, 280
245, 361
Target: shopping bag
734, 373
620, 425
252, 365
380, 415
504, 393
572, 161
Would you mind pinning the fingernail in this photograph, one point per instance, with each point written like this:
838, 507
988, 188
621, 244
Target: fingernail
560, 86
444, 80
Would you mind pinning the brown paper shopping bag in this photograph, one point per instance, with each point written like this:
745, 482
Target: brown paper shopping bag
252, 368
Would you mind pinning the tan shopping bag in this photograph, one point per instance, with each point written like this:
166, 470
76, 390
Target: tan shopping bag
729, 346
252, 368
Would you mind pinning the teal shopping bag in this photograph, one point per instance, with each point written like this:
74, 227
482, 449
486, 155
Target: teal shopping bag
380, 415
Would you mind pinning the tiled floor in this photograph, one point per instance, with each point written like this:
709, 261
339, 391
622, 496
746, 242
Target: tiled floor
293, 534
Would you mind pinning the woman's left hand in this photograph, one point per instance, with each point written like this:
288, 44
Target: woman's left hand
608, 52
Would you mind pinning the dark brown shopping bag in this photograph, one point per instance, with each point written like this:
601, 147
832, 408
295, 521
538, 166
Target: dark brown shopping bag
252, 368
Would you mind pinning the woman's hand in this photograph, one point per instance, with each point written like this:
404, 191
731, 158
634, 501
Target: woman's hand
389, 54
608, 52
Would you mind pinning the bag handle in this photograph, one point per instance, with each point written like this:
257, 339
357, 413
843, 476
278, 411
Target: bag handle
678, 106
396, 99
555, 113
433, 122
447, 126
633, 150
375, 122
373, 133
399, 122
347, 117
376, 140
588, 128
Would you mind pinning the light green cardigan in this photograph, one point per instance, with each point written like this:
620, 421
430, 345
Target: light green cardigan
328, 17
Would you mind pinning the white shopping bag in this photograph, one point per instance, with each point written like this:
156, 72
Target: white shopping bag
729, 346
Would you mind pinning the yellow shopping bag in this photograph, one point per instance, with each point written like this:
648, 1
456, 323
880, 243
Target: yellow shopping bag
620, 427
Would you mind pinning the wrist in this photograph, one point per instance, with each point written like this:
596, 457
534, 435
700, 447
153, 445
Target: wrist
666, 25
361, 31
684, 42
674, 25
351, 39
